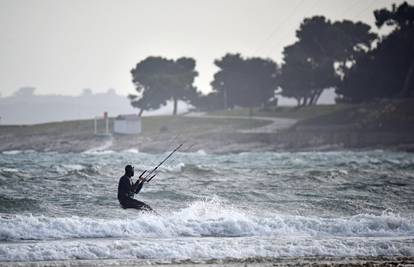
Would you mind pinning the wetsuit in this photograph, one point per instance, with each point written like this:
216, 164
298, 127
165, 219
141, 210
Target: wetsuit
126, 195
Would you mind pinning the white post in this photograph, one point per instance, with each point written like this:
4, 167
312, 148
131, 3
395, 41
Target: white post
107, 125
94, 124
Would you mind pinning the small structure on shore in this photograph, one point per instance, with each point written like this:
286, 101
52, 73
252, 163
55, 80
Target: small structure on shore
96, 124
127, 124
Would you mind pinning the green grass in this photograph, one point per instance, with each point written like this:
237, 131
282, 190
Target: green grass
150, 126
384, 114
53, 128
196, 125
283, 112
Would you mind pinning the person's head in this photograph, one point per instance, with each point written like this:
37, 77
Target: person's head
129, 170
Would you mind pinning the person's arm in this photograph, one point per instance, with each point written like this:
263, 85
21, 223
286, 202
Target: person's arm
138, 185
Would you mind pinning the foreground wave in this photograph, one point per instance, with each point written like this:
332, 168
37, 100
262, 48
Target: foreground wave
199, 249
204, 219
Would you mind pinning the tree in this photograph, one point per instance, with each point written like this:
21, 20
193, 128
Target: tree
320, 57
158, 80
403, 20
211, 101
180, 81
387, 70
146, 78
87, 92
304, 78
353, 40
26, 91
308, 66
244, 82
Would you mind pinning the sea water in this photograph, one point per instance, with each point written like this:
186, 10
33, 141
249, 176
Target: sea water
63, 206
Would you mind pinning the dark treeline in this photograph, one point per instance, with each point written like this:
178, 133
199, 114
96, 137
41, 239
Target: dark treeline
344, 55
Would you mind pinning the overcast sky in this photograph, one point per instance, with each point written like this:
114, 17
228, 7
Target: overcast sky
61, 47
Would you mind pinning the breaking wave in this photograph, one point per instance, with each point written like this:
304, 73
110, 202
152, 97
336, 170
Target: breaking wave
184, 249
204, 219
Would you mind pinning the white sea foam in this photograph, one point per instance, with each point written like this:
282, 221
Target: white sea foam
102, 149
75, 167
173, 168
132, 151
12, 152
9, 170
202, 249
201, 152
204, 219
98, 152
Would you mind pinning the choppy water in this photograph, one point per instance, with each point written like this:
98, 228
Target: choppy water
56, 206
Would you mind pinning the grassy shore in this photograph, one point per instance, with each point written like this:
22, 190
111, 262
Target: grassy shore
382, 124
298, 113
150, 126
157, 135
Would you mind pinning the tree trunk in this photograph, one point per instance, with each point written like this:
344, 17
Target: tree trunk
305, 101
140, 112
298, 100
315, 97
250, 111
312, 99
175, 106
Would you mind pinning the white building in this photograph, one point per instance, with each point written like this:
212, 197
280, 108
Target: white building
127, 124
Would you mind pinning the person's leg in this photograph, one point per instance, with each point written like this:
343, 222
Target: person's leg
135, 204
141, 205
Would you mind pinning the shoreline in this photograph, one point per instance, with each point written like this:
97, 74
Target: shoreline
216, 143
211, 134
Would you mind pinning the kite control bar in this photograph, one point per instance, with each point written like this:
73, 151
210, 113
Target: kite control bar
151, 174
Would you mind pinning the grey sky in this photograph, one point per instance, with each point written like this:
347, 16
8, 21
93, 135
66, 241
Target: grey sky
61, 47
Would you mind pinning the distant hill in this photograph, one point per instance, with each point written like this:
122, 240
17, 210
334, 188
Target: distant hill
28, 108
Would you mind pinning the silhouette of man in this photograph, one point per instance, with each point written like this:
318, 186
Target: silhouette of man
127, 188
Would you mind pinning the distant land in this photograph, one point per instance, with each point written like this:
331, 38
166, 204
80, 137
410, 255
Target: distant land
26, 107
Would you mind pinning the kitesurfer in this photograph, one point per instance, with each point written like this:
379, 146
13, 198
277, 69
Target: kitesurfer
127, 188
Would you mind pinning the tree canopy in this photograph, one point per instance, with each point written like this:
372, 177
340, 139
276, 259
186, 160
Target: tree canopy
158, 80
319, 58
387, 70
245, 82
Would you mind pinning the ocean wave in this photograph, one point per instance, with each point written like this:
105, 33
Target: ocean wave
182, 167
15, 152
98, 152
176, 168
8, 204
131, 150
10, 172
179, 250
12, 152
200, 152
197, 169
77, 170
201, 219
